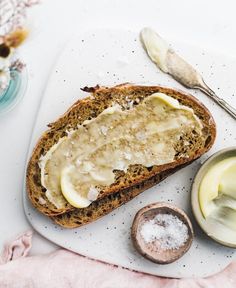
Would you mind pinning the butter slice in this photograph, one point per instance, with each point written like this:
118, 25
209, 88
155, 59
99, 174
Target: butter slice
69, 191
218, 187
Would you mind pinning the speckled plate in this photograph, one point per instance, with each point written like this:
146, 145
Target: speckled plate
111, 57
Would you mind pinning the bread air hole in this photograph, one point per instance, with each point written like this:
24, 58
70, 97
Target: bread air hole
89, 213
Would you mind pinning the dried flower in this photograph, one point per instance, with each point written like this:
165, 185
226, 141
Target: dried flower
5, 50
17, 65
15, 38
12, 17
13, 14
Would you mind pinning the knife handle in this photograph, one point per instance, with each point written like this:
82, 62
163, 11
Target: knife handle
226, 106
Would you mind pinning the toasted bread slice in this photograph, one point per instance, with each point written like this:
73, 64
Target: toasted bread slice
138, 177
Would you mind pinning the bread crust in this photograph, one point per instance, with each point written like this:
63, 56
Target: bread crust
100, 99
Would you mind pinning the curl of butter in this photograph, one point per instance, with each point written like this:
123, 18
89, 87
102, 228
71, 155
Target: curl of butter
156, 47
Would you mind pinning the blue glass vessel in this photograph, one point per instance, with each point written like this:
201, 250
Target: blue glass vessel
14, 92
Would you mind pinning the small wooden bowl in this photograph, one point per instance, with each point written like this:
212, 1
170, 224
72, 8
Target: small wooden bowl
149, 251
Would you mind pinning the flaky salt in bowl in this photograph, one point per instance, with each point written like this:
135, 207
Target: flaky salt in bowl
162, 233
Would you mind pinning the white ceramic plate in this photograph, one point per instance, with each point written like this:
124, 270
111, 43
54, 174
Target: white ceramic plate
112, 57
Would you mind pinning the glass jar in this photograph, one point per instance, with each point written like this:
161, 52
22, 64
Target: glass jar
15, 91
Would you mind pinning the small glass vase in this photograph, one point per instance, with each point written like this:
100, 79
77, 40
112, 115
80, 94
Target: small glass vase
15, 91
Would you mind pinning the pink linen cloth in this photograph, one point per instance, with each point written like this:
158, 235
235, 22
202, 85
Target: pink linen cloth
66, 269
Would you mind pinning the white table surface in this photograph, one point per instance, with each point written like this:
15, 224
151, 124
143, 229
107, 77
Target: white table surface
204, 23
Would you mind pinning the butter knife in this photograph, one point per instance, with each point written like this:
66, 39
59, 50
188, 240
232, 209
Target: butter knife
171, 63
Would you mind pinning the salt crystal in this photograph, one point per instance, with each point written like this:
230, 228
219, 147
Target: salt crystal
69, 132
104, 130
130, 104
78, 162
92, 193
127, 156
87, 166
42, 201
167, 230
66, 154
140, 136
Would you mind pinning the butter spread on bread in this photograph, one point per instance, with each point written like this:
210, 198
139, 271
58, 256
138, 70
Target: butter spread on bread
82, 163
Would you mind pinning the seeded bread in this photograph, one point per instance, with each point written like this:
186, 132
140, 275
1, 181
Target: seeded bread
138, 177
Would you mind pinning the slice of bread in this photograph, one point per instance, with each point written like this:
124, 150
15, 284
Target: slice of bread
137, 178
